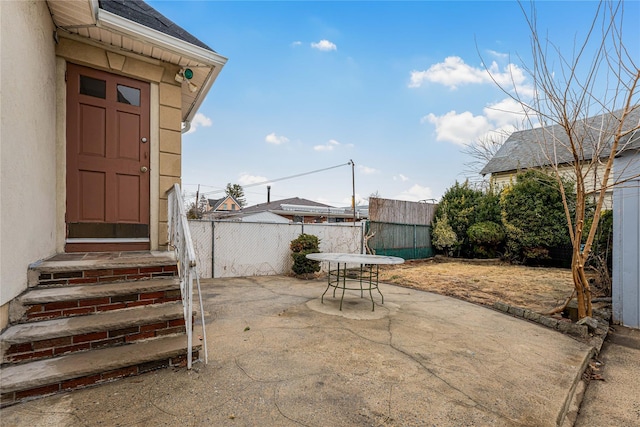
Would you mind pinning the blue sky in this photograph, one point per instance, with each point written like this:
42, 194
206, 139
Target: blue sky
398, 87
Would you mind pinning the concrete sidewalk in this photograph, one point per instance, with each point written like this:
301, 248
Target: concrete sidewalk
615, 400
278, 357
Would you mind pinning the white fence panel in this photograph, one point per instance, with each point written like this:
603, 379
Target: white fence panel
202, 235
242, 249
252, 249
337, 238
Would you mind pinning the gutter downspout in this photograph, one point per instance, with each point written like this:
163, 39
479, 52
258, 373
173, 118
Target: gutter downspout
186, 127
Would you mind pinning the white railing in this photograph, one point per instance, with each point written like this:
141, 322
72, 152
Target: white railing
181, 243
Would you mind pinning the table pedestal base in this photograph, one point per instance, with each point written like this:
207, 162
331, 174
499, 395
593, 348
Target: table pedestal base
366, 276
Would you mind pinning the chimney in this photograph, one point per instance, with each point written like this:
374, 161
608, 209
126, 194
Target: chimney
268, 194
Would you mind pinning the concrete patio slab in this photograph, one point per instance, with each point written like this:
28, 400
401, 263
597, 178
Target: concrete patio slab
278, 357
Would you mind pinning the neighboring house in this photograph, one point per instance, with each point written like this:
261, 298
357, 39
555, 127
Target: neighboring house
306, 211
534, 147
225, 204
95, 97
626, 239
264, 217
523, 150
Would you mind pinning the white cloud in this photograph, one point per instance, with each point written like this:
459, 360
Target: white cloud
497, 120
415, 194
460, 128
497, 54
199, 120
272, 138
453, 72
329, 146
296, 43
401, 177
365, 170
324, 45
507, 112
246, 179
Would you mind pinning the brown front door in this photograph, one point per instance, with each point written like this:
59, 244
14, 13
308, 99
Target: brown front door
107, 161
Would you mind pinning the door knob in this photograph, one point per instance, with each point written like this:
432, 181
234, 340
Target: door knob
144, 169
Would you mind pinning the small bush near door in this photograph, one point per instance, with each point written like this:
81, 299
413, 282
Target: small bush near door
303, 245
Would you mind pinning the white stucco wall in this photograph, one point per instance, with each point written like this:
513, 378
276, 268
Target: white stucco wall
27, 141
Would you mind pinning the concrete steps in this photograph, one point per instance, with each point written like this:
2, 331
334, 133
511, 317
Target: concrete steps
91, 318
43, 303
37, 340
48, 376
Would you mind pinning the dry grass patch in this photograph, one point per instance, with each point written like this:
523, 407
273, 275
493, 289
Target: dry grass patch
538, 289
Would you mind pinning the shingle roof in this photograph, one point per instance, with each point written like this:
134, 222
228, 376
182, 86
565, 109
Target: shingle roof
276, 205
214, 203
140, 12
528, 148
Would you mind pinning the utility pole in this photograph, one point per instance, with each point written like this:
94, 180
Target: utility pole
196, 206
353, 194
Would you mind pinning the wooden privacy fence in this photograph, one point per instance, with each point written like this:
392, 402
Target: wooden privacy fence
400, 228
401, 211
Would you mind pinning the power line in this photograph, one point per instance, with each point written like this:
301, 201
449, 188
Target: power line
284, 178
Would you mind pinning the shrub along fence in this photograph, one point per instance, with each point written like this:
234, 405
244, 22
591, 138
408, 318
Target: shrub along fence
408, 241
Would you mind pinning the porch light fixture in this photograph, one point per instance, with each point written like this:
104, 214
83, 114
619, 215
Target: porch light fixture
186, 74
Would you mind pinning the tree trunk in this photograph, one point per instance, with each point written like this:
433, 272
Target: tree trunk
581, 284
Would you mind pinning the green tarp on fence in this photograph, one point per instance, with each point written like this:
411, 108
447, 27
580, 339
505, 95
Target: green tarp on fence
408, 241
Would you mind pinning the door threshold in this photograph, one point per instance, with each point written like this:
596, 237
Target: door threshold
108, 240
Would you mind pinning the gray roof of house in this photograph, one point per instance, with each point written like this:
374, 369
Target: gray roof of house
276, 205
141, 13
214, 203
533, 147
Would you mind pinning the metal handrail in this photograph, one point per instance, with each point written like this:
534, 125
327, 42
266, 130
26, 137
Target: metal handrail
181, 243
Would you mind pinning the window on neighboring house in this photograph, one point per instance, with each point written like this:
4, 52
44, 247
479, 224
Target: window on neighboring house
297, 218
233, 207
224, 207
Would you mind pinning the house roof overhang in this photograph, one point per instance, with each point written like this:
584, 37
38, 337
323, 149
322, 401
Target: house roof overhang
87, 19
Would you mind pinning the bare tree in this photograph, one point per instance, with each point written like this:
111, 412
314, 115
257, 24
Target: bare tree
480, 152
586, 107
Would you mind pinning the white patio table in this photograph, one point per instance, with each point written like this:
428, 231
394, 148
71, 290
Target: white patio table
366, 276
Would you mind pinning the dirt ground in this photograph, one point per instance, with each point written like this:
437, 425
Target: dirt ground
484, 282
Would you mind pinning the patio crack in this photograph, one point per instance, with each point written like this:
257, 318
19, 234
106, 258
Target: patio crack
432, 373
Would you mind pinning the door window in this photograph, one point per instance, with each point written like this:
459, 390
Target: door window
93, 87
129, 95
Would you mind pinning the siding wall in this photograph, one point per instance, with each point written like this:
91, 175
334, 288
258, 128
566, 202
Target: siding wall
626, 244
593, 181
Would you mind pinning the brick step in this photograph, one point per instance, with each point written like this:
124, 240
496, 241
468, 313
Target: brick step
54, 274
42, 303
36, 340
44, 377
